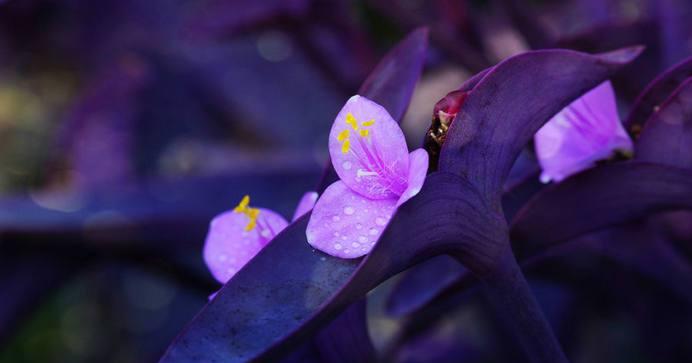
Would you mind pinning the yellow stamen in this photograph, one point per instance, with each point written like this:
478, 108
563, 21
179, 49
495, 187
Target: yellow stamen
242, 206
351, 120
346, 146
343, 135
251, 225
364, 132
251, 213
368, 123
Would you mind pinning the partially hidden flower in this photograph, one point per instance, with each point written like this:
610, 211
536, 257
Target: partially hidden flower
377, 174
236, 236
587, 130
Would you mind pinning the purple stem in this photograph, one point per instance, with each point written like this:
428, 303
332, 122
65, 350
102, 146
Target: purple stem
509, 293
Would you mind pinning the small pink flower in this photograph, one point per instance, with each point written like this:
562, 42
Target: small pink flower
369, 153
584, 132
236, 236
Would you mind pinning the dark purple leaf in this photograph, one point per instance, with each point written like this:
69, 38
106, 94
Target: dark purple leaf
656, 92
667, 135
346, 339
148, 217
511, 95
430, 279
506, 108
640, 248
422, 283
598, 198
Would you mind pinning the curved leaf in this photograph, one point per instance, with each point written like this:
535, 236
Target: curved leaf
667, 135
598, 198
506, 108
656, 92
289, 290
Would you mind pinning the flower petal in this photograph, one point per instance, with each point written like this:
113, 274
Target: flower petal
345, 224
587, 130
229, 246
368, 150
305, 205
417, 170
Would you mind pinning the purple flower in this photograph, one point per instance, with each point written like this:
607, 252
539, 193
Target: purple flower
369, 153
236, 236
584, 132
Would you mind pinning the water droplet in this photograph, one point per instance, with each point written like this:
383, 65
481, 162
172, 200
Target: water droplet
337, 246
336, 218
347, 251
336, 234
362, 239
265, 233
359, 226
380, 221
373, 231
349, 211
355, 244
346, 165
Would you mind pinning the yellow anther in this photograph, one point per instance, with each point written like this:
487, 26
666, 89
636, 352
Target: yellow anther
252, 213
251, 225
351, 120
364, 132
242, 206
346, 146
343, 135
368, 123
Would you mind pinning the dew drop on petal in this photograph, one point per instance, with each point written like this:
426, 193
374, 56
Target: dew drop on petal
362, 239
336, 218
355, 244
349, 211
359, 226
346, 165
265, 233
373, 231
337, 246
380, 221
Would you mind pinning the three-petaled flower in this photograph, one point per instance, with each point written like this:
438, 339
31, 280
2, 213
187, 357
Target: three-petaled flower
368, 151
584, 132
236, 236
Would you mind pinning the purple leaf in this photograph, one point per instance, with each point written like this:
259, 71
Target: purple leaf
506, 108
598, 198
667, 135
656, 92
422, 283
149, 217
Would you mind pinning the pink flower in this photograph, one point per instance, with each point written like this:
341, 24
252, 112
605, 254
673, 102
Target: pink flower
369, 153
584, 132
236, 236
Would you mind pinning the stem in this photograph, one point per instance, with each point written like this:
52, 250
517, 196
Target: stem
510, 294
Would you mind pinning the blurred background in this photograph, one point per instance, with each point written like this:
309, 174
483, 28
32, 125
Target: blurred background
126, 125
